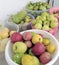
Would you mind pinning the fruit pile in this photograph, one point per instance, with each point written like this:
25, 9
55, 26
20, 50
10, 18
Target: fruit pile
38, 6
31, 48
45, 21
20, 18
4, 37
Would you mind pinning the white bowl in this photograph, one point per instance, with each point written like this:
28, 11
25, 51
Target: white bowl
9, 52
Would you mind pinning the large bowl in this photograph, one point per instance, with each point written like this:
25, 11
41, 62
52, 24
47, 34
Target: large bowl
9, 52
19, 27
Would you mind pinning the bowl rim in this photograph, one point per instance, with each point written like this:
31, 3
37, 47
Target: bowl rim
50, 63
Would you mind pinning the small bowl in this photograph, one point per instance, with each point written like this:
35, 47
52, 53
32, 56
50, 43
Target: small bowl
18, 27
9, 52
52, 10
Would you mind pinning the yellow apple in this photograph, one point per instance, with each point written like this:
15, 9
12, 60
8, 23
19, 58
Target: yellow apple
51, 48
12, 32
27, 60
4, 35
37, 39
6, 29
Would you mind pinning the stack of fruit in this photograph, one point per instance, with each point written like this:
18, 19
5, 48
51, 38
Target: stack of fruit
45, 22
20, 18
4, 37
38, 6
31, 48
55, 12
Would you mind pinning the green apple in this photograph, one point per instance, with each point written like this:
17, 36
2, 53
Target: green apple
38, 18
19, 47
46, 41
45, 27
43, 18
28, 17
45, 14
46, 23
55, 19
27, 20
34, 21
42, 8
51, 17
30, 7
36, 8
36, 60
17, 58
39, 21
38, 26
54, 24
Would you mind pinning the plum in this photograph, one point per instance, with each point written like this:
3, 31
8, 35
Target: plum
38, 49
15, 37
28, 43
45, 57
27, 36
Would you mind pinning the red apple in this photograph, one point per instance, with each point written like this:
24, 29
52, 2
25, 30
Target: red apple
15, 37
27, 36
38, 49
45, 57
28, 44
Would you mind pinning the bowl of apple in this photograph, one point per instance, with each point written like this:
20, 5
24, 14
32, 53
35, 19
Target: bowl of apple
55, 11
45, 21
36, 8
20, 20
32, 47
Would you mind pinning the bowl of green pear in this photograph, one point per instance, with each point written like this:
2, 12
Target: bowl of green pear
45, 21
20, 20
36, 8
